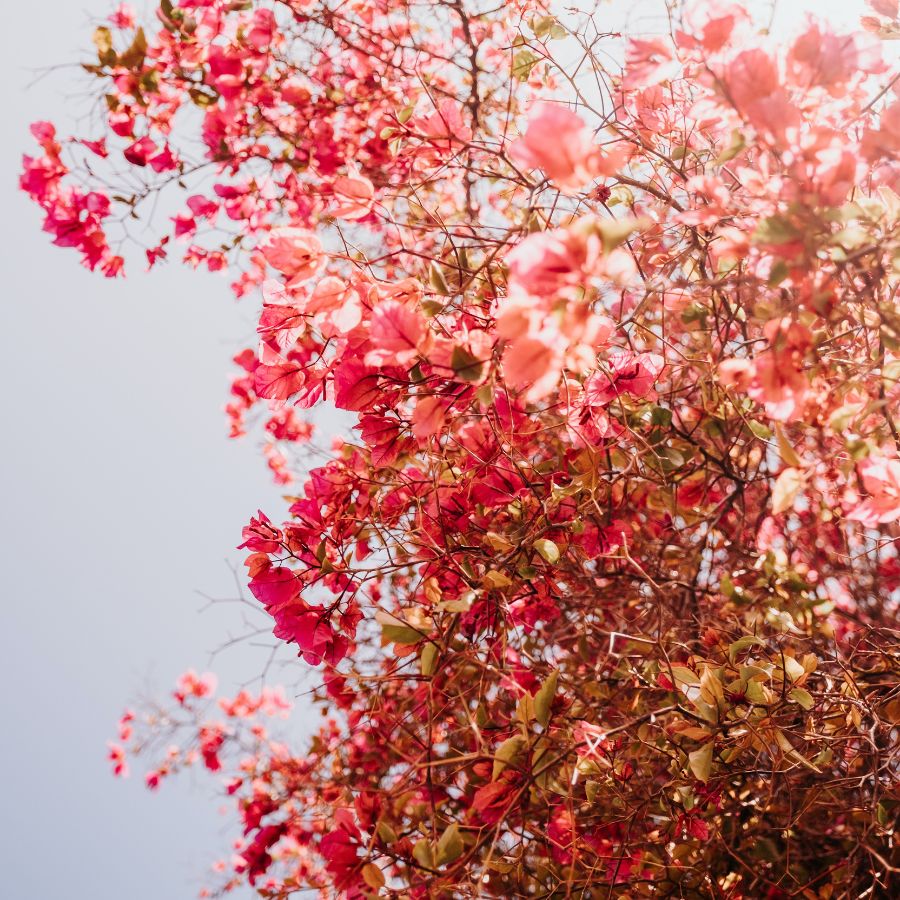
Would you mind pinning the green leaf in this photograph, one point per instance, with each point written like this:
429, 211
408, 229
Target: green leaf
786, 449
756, 693
422, 854
802, 696
614, 232
621, 193
200, 98
741, 644
775, 230
386, 833
787, 487
506, 753
700, 762
793, 669
465, 366
547, 28
685, 676
543, 699
661, 417
396, 631
437, 280
731, 151
449, 846
523, 62
428, 659
547, 550
763, 432
778, 273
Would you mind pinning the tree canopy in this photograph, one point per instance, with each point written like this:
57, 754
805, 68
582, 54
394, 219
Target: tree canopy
600, 591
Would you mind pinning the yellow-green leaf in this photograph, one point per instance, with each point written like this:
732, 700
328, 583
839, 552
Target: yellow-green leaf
700, 762
386, 833
506, 753
793, 669
133, 57
395, 631
543, 699
547, 550
102, 39
523, 62
786, 449
685, 676
428, 659
741, 644
784, 493
422, 854
802, 696
449, 846
437, 280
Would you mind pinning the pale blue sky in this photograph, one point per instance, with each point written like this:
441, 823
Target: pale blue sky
121, 498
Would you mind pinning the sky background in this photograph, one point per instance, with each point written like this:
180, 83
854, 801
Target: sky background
121, 499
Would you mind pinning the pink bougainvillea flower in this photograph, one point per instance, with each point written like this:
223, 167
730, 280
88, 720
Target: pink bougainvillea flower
334, 305
629, 373
649, 62
547, 262
881, 479
396, 332
355, 195
427, 419
122, 16
710, 24
821, 58
887, 8
447, 124
757, 89
190, 684
532, 365
559, 142
279, 382
295, 252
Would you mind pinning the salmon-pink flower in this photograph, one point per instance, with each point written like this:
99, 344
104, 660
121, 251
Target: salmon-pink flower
396, 332
533, 364
446, 124
190, 684
335, 306
355, 195
648, 62
711, 23
820, 58
295, 252
545, 263
560, 143
881, 479
629, 373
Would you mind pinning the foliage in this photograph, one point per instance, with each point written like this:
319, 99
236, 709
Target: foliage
603, 594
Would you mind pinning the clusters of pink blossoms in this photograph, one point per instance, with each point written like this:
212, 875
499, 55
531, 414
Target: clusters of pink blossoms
599, 591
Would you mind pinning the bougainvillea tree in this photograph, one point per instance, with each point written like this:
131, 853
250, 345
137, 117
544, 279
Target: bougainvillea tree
599, 591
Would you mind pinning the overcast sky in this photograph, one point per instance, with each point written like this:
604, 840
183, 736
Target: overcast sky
122, 498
